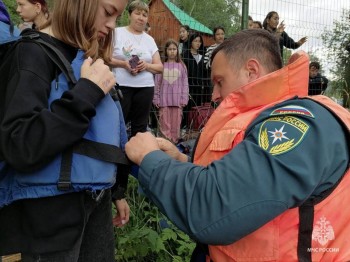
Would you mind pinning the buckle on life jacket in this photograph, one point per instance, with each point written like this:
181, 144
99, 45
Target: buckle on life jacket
64, 185
96, 195
116, 93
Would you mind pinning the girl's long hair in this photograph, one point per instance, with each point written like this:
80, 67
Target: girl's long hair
268, 16
73, 22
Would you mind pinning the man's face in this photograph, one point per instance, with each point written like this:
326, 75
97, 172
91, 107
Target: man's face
225, 78
313, 71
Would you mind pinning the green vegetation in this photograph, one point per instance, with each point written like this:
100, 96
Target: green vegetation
213, 13
335, 41
11, 6
149, 236
222, 12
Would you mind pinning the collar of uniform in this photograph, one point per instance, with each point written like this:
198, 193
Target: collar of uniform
291, 80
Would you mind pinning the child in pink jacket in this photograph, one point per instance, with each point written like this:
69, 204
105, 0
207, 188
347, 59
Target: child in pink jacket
171, 92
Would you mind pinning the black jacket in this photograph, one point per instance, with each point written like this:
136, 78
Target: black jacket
317, 85
197, 72
288, 42
31, 135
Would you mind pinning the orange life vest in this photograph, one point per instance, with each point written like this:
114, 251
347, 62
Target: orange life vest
278, 239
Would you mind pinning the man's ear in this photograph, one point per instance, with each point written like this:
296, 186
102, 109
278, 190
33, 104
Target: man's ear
254, 69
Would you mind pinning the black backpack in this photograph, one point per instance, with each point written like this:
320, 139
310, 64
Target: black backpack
30, 35
7, 52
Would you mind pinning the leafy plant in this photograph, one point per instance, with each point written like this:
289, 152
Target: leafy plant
11, 7
149, 236
335, 41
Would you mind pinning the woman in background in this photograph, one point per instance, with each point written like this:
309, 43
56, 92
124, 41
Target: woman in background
33, 11
271, 24
135, 60
184, 37
198, 78
219, 37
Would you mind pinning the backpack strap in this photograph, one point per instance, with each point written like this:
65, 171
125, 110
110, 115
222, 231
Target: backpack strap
54, 54
306, 222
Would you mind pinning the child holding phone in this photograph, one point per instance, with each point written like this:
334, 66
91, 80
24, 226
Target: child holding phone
171, 92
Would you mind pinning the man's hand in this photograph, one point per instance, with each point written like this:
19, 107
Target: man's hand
169, 148
140, 145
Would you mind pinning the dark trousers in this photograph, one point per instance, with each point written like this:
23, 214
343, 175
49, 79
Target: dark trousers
96, 242
136, 105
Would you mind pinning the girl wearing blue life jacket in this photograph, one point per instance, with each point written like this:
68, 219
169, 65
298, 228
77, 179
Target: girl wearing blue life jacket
61, 141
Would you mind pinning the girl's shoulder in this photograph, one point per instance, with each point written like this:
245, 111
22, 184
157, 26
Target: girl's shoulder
31, 54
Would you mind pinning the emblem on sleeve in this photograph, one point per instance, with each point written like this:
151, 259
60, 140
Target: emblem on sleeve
292, 110
280, 134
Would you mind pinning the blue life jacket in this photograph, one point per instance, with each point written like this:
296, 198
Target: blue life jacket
88, 165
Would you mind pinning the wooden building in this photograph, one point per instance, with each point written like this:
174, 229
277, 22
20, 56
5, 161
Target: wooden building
165, 20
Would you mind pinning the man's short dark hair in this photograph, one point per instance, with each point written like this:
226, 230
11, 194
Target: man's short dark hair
315, 64
252, 43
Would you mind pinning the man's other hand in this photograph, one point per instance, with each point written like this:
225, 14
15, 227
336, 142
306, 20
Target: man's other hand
140, 145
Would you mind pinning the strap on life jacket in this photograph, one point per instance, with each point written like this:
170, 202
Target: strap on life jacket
100, 151
306, 222
96, 150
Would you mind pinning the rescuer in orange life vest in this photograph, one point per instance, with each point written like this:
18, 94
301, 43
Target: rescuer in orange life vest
269, 179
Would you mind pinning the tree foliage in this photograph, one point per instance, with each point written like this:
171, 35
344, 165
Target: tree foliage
335, 41
11, 7
214, 13
211, 13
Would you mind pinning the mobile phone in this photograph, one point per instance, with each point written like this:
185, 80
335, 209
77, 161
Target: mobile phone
133, 61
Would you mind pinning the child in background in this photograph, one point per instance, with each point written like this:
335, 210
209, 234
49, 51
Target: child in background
171, 92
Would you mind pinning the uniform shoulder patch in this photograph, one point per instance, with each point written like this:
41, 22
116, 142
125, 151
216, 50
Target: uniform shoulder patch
292, 110
280, 134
